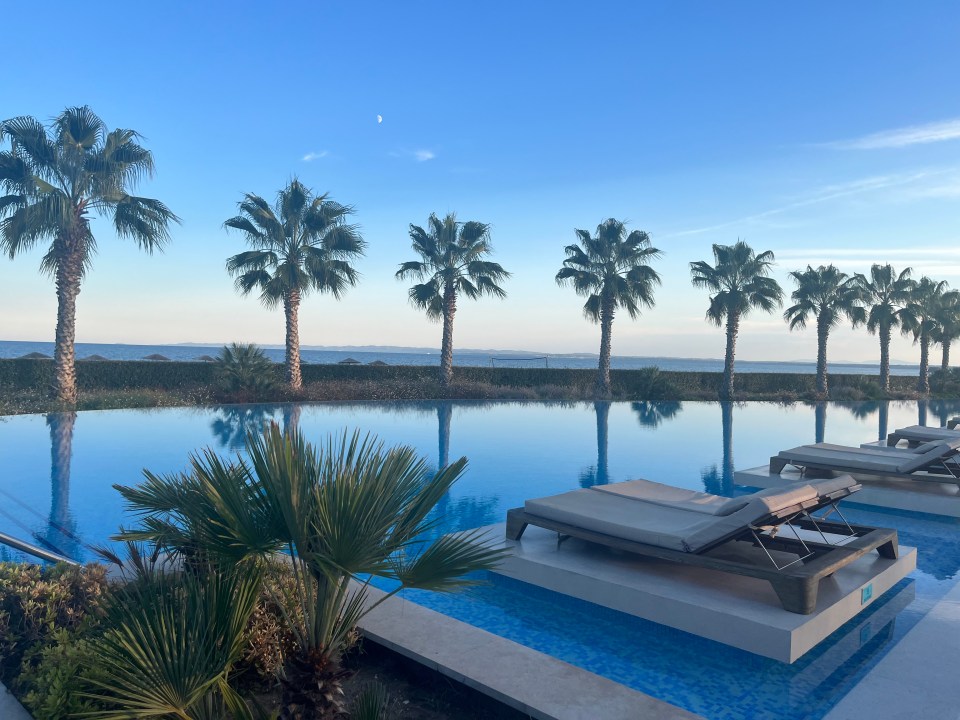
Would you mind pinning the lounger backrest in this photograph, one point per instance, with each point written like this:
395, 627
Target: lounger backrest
666, 495
937, 451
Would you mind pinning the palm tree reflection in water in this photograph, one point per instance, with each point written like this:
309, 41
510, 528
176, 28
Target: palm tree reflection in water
720, 481
61, 526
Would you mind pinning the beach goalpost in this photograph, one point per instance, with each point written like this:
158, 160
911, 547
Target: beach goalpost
508, 361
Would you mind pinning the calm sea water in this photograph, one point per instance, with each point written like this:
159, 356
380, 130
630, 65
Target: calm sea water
15, 349
56, 489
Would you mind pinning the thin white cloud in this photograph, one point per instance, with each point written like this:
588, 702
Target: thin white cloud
311, 156
421, 155
904, 137
821, 195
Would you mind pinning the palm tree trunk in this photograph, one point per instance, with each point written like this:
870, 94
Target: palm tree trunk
923, 384
606, 330
446, 348
885, 358
602, 409
69, 272
733, 327
291, 309
823, 332
945, 364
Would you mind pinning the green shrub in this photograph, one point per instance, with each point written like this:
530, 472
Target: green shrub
56, 674
244, 372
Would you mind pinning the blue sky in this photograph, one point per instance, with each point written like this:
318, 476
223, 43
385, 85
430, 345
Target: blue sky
824, 131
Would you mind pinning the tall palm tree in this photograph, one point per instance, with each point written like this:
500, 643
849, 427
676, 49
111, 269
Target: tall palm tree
300, 244
55, 182
739, 281
612, 271
828, 295
885, 295
451, 264
921, 319
946, 329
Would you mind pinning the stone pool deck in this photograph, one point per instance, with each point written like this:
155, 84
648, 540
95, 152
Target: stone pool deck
530, 681
10, 709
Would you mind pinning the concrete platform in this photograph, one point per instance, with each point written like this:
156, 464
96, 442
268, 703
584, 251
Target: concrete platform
734, 610
915, 496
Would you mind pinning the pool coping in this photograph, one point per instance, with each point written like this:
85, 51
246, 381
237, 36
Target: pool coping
525, 679
917, 677
10, 707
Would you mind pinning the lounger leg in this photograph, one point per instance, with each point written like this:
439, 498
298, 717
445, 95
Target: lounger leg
797, 595
515, 524
777, 464
889, 550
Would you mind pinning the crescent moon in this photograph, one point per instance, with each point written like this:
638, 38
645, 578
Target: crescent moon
379, 119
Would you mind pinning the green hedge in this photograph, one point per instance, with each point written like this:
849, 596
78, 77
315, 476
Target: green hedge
140, 374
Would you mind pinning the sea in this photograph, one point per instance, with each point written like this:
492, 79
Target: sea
321, 356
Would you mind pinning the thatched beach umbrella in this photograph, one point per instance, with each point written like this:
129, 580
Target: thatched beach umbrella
349, 361
94, 357
206, 358
157, 356
35, 356
377, 362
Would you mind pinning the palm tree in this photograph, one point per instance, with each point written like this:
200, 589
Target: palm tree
920, 319
828, 295
451, 264
56, 182
947, 329
885, 296
612, 271
300, 244
344, 512
739, 281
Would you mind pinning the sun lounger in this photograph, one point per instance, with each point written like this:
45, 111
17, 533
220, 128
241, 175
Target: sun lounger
919, 434
700, 529
931, 462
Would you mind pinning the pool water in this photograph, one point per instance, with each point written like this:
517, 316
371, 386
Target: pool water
56, 490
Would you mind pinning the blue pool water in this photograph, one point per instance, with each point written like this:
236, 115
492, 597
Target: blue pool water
58, 470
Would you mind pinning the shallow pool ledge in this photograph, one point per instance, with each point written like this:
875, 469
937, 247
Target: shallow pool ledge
529, 681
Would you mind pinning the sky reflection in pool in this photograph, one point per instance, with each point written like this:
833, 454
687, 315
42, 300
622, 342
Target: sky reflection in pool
56, 488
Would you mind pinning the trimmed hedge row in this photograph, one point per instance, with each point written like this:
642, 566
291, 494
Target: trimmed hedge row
139, 374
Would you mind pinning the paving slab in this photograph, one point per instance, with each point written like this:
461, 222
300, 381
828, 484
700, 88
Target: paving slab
10, 707
532, 682
918, 677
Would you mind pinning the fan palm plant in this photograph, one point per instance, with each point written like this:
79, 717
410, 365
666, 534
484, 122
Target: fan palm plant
55, 182
947, 328
885, 295
300, 244
828, 295
451, 264
612, 270
739, 282
921, 319
346, 512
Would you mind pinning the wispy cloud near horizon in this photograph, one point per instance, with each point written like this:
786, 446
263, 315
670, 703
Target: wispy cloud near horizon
311, 156
903, 137
820, 195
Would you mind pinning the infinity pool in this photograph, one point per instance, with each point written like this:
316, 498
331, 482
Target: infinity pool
56, 490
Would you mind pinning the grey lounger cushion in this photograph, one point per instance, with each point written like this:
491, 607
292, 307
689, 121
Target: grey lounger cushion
879, 462
922, 433
668, 517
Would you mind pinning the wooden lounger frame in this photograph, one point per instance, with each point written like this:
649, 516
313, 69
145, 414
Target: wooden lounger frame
796, 584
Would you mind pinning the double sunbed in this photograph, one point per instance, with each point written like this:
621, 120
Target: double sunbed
787, 544
933, 461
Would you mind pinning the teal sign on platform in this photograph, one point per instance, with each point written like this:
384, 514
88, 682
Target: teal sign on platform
866, 593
